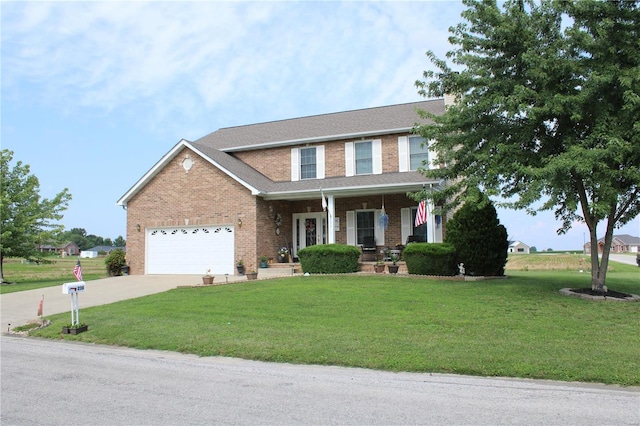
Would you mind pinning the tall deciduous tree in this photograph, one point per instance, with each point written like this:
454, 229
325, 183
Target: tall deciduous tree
546, 111
27, 220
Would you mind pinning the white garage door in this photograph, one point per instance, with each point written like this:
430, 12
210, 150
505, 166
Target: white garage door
190, 250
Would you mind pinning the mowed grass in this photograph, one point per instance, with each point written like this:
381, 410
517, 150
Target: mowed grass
515, 327
555, 262
21, 276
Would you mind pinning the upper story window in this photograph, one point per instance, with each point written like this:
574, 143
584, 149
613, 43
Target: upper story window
307, 163
413, 152
363, 157
418, 152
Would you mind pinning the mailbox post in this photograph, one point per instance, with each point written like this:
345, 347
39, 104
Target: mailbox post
72, 289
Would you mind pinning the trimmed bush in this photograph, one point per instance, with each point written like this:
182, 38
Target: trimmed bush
430, 259
115, 261
329, 259
480, 241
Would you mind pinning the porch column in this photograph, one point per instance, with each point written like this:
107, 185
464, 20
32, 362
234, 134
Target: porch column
331, 222
431, 224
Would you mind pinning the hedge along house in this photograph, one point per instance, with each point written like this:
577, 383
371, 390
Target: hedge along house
243, 192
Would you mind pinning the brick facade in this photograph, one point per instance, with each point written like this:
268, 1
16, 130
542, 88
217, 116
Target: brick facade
211, 194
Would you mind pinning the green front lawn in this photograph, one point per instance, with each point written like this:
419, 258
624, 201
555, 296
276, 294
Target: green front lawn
517, 327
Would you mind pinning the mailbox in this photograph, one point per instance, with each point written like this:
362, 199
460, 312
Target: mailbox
71, 288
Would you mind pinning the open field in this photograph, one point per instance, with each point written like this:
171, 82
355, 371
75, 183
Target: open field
515, 327
27, 276
553, 262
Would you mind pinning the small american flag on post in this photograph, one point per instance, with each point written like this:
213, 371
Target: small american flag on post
77, 271
421, 214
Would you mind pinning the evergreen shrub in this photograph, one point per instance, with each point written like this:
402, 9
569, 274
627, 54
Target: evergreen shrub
430, 259
329, 259
479, 238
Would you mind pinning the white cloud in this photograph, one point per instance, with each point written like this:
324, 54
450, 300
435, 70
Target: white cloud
180, 60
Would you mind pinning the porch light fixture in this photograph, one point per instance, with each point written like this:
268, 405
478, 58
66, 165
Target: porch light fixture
138, 227
239, 223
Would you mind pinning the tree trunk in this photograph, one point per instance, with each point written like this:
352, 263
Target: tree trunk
599, 266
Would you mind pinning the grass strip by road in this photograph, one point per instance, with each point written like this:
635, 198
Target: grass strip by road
517, 327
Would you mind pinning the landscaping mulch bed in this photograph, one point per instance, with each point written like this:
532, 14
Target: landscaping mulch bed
609, 294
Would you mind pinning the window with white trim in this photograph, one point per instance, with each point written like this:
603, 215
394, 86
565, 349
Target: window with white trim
363, 157
412, 151
418, 152
365, 225
419, 232
307, 163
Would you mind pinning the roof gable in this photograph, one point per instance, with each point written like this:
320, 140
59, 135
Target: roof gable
215, 148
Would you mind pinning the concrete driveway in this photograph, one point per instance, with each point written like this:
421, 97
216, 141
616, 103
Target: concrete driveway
21, 307
629, 259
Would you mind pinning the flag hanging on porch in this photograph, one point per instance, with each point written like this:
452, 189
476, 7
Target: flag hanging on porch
77, 271
40, 306
324, 201
421, 214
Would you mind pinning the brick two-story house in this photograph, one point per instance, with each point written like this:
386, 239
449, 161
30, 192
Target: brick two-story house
244, 192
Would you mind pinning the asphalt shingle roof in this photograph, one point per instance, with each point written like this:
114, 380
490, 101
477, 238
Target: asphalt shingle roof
377, 120
220, 145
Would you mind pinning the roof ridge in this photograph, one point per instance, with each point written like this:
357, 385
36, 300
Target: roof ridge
328, 114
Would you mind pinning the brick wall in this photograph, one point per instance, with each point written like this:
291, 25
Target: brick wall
206, 196
202, 196
275, 163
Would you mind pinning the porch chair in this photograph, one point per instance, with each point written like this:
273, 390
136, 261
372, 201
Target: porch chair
369, 249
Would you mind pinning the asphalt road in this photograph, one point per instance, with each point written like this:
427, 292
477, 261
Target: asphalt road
65, 383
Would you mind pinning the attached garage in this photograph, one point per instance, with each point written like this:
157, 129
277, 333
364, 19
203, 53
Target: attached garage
190, 250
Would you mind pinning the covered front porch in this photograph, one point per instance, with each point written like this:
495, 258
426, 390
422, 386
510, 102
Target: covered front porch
344, 217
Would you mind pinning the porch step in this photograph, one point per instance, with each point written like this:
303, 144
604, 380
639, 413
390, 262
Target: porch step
279, 270
288, 269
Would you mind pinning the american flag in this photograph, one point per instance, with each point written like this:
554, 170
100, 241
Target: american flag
421, 214
77, 271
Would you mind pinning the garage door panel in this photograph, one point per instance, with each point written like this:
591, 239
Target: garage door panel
190, 250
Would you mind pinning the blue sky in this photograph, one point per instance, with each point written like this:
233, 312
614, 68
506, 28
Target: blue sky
95, 93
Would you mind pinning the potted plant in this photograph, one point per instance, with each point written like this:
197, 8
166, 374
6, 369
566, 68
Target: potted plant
74, 329
393, 269
240, 267
379, 266
283, 255
263, 261
252, 275
207, 279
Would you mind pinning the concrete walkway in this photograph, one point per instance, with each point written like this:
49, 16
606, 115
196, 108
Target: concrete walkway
21, 307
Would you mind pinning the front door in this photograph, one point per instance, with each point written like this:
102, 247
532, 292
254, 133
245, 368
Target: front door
309, 229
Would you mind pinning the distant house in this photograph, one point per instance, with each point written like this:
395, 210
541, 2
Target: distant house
623, 243
66, 249
95, 251
518, 247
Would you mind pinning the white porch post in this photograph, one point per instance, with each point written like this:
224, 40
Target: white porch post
431, 224
331, 222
